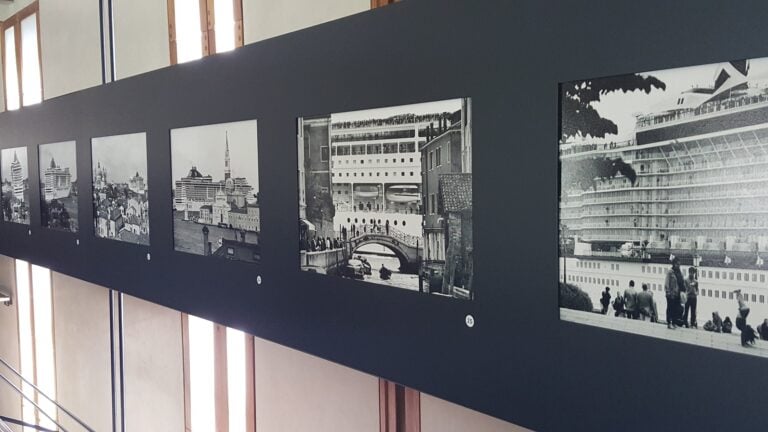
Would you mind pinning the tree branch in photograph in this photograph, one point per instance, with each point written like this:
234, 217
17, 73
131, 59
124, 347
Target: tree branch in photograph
581, 119
584, 172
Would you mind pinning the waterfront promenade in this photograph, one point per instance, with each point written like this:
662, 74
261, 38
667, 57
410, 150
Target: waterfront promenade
724, 341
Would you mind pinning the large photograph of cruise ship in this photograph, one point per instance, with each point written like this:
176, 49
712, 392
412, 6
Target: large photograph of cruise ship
58, 186
215, 172
120, 190
385, 196
14, 172
664, 204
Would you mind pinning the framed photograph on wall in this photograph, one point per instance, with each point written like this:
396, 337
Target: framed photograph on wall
385, 196
58, 186
664, 204
15, 185
120, 189
216, 209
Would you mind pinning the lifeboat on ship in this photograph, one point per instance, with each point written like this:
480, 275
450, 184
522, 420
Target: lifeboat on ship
403, 194
366, 191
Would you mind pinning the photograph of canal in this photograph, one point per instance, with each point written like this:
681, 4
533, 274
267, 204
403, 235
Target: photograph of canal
215, 174
385, 196
664, 204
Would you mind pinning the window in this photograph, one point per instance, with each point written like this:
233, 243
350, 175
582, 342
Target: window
431, 159
437, 157
218, 377
35, 315
197, 28
21, 59
390, 148
324, 153
432, 203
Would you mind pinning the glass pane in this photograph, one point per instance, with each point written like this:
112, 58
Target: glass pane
26, 352
224, 18
42, 309
201, 375
189, 43
236, 385
11, 76
32, 88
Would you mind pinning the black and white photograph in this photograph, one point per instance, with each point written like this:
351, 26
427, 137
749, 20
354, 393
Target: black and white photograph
14, 170
385, 196
215, 172
120, 190
664, 204
58, 186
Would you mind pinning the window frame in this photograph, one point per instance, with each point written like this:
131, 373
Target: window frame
15, 22
207, 27
221, 393
399, 408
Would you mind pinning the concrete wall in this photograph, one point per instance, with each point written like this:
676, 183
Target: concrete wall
141, 36
299, 392
81, 339
154, 378
263, 19
71, 59
10, 402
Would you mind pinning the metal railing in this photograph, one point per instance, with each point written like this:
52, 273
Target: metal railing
40, 393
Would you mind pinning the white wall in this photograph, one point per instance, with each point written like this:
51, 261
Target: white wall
81, 339
154, 378
8, 9
438, 415
141, 36
71, 59
264, 19
299, 392
10, 401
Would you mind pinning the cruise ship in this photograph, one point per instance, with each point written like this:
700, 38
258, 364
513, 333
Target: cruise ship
376, 171
699, 193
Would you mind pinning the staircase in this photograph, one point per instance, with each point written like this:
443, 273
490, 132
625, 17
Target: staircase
40, 395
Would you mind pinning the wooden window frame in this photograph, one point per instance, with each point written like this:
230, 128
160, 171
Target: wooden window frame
220, 376
380, 3
399, 408
207, 27
39, 418
15, 22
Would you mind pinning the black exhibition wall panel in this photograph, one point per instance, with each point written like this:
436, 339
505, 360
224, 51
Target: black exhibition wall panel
519, 362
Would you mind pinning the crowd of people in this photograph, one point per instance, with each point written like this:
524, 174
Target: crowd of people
681, 294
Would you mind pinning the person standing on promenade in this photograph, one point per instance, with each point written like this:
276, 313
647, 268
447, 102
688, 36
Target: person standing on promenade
692, 294
630, 301
605, 300
644, 304
673, 284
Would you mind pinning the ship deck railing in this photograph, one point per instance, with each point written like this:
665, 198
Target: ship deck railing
644, 122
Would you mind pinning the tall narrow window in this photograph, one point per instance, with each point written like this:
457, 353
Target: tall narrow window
224, 24
201, 375
35, 315
219, 384
197, 28
21, 59
188, 37
12, 90
32, 86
